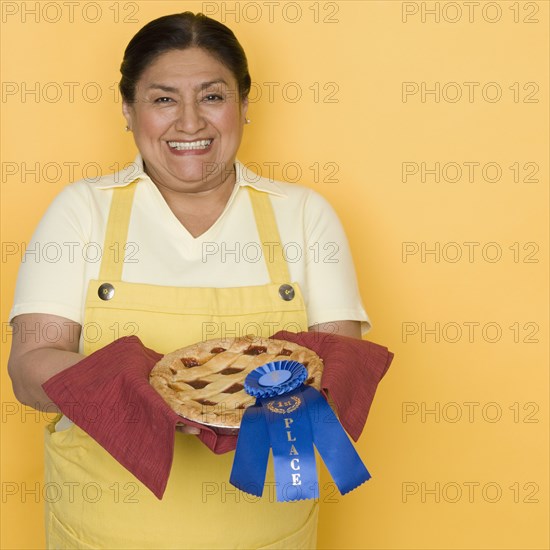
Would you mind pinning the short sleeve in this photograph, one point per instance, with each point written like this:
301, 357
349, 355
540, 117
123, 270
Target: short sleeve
51, 277
331, 282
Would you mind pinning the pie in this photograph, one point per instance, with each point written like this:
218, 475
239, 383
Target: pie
204, 382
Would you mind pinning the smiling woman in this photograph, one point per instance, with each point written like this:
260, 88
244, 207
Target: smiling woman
185, 86
187, 121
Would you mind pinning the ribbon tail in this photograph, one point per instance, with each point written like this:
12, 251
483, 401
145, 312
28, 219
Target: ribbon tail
250, 461
338, 454
292, 446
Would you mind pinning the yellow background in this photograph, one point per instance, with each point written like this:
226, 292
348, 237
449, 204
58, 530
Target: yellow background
435, 478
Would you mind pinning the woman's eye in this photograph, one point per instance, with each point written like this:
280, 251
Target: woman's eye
212, 97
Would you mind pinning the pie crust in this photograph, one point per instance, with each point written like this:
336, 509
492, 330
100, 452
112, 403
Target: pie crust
204, 382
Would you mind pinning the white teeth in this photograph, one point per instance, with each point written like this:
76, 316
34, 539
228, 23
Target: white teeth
190, 145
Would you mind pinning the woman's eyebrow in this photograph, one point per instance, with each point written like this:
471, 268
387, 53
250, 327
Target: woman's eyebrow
212, 82
171, 89
162, 87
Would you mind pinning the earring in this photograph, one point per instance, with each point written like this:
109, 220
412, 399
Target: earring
127, 129
247, 121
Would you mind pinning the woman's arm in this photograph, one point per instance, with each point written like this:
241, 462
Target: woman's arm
331, 290
42, 345
342, 328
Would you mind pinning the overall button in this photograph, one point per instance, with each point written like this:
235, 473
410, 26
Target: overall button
106, 291
286, 292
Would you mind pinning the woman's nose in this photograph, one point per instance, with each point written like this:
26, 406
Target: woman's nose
190, 119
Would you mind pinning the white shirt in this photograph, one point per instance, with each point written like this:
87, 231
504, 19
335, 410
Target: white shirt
66, 249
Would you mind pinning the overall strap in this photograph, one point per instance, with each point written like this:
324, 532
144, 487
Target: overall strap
116, 233
269, 236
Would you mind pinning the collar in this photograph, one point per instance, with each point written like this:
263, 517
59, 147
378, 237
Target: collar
134, 172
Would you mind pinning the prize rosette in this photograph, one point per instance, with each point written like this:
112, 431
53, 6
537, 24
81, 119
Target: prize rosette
291, 418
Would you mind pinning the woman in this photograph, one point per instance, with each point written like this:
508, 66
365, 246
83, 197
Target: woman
173, 229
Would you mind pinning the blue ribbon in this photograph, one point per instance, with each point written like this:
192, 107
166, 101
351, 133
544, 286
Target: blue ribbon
290, 418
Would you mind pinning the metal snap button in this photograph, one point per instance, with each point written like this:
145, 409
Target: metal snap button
106, 291
286, 292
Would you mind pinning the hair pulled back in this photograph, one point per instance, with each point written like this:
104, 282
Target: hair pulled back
179, 32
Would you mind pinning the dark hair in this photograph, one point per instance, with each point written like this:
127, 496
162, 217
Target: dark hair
179, 32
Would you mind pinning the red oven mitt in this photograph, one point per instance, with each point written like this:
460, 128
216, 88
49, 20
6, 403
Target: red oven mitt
133, 423
108, 395
352, 370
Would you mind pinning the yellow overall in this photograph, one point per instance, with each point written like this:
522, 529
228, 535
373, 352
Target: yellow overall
96, 503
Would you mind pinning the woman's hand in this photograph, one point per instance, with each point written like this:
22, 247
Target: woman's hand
184, 429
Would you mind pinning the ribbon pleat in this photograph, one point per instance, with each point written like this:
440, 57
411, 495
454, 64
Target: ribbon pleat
338, 454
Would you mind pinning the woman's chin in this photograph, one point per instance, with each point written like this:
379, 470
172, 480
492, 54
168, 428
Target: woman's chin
201, 171
196, 180
192, 171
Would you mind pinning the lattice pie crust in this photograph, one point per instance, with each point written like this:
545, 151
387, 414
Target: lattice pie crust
204, 382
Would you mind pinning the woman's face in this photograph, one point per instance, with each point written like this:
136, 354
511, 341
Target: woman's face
187, 120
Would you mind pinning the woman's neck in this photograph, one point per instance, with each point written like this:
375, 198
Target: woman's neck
197, 211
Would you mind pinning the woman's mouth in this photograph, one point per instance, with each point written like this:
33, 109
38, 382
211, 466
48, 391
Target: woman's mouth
197, 145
